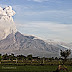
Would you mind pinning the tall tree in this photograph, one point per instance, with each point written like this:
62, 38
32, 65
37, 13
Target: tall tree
65, 54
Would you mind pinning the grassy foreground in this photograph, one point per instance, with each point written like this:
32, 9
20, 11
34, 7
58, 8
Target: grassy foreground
29, 68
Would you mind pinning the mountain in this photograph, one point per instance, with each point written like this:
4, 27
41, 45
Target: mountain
21, 44
12, 41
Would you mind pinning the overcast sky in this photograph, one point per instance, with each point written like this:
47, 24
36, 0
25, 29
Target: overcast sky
48, 19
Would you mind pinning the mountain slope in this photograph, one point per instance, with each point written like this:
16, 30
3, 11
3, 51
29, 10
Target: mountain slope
19, 44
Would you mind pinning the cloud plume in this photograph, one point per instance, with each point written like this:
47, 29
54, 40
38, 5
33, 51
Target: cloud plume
7, 25
6, 13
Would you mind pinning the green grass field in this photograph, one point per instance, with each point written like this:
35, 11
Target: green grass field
30, 68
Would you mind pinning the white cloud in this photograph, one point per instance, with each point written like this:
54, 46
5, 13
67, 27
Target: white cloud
57, 1
7, 25
49, 25
39, 0
47, 30
55, 13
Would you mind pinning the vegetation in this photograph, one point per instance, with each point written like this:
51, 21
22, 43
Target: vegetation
30, 68
65, 54
34, 64
62, 67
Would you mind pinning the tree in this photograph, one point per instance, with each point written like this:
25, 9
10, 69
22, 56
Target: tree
65, 54
29, 57
20, 57
12, 56
5, 57
56, 58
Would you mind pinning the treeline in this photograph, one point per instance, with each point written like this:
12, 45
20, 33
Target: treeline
28, 57
30, 60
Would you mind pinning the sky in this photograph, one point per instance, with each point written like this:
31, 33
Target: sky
46, 19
